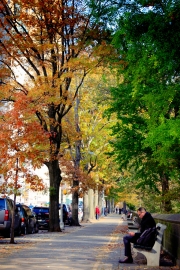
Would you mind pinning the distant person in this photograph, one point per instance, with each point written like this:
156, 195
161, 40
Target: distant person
119, 211
97, 212
147, 221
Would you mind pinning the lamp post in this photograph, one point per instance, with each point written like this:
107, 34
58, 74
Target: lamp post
61, 218
103, 202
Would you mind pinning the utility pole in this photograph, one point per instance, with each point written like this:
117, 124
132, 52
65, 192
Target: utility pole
61, 218
103, 202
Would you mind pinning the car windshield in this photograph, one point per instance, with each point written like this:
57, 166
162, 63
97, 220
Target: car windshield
2, 204
41, 210
28, 210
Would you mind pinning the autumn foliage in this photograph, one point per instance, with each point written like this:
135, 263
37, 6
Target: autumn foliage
22, 139
47, 50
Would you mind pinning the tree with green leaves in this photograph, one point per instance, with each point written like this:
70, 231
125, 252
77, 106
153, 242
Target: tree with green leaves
146, 102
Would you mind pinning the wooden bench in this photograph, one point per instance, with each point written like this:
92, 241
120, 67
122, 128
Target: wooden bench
153, 255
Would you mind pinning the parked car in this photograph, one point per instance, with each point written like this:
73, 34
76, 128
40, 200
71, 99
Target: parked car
66, 214
29, 222
6, 213
42, 216
80, 216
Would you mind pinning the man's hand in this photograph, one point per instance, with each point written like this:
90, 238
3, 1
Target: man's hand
131, 233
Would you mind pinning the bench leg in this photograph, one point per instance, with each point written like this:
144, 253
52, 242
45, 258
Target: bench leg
152, 257
152, 260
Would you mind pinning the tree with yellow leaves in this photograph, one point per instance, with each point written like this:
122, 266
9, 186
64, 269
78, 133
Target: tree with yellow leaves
45, 46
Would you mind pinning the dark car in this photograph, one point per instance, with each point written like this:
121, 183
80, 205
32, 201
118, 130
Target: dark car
6, 213
29, 222
42, 216
66, 214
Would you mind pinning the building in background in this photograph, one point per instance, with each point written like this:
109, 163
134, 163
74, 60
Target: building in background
38, 198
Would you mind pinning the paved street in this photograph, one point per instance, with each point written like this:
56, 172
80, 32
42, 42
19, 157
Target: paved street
95, 245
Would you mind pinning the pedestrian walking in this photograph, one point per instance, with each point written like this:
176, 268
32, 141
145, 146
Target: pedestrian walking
97, 212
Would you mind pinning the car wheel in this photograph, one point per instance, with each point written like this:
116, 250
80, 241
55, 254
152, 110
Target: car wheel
31, 230
7, 234
25, 231
36, 228
19, 231
70, 221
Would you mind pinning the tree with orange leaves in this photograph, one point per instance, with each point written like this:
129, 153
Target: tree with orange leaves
19, 152
45, 46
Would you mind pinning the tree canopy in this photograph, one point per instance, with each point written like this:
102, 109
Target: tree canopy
45, 46
47, 50
147, 100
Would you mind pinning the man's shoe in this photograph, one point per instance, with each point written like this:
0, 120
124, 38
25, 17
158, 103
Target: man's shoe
127, 260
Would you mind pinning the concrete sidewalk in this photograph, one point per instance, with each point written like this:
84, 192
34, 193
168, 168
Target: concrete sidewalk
93, 246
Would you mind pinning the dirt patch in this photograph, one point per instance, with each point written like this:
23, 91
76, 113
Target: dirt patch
166, 259
7, 249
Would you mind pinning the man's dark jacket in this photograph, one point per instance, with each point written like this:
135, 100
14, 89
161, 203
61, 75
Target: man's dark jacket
146, 222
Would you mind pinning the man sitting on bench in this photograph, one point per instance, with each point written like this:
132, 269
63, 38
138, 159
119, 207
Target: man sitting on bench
147, 221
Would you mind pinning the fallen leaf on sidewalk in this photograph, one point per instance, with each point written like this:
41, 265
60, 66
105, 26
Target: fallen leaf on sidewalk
121, 229
6, 248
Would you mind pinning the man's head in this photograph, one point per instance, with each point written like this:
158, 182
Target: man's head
141, 212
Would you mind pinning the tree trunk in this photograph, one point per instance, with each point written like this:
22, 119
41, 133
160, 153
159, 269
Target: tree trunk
75, 221
166, 202
12, 223
100, 202
77, 159
91, 204
14, 204
112, 205
86, 208
55, 180
96, 198
108, 206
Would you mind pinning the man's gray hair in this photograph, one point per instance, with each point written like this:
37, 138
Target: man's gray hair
141, 209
